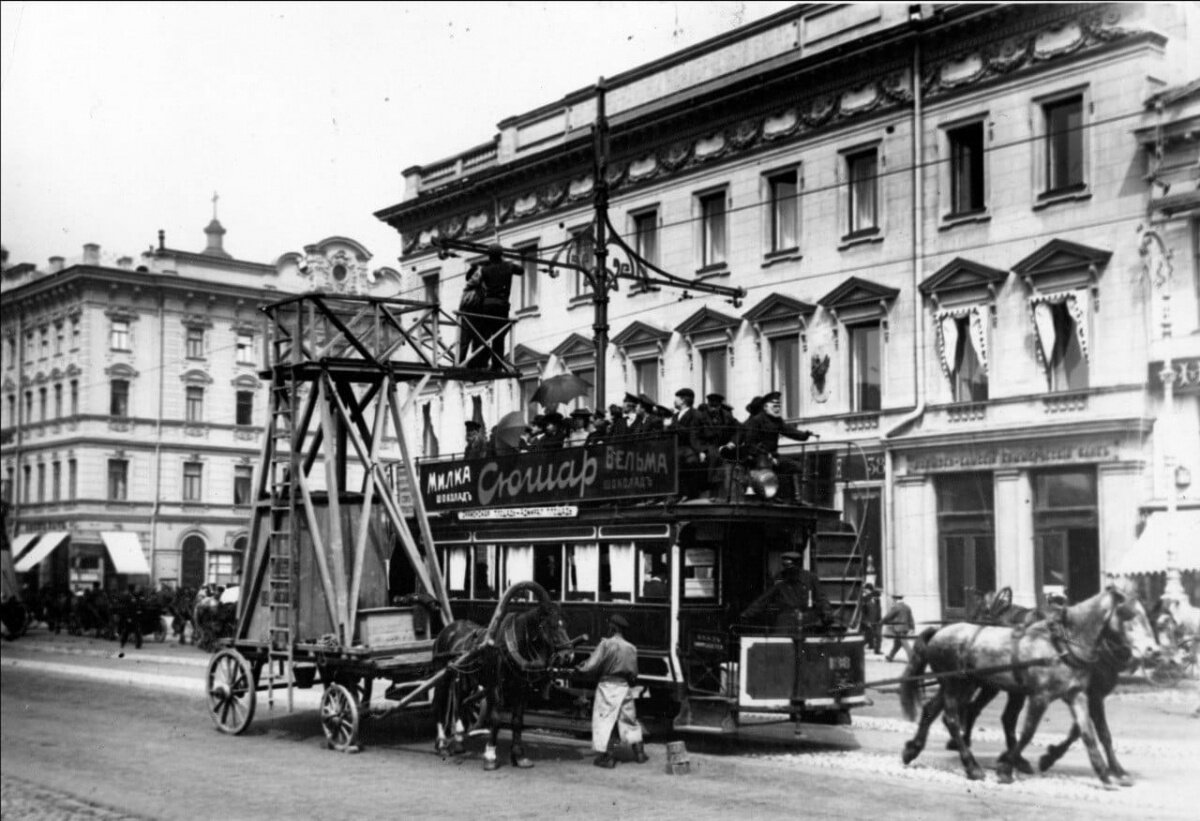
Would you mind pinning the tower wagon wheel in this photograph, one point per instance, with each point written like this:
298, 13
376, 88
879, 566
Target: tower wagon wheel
231, 691
340, 718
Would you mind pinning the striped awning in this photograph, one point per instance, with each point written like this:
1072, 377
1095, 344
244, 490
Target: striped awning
39, 550
1149, 553
125, 549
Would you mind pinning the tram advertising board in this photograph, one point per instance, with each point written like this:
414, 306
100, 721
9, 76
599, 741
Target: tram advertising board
639, 469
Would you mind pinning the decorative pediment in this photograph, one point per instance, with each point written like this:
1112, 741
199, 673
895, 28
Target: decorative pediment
528, 362
120, 371
708, 329
858, 300
576, 350
706, 321
776, 308
963, 281
640, 340
246, 382
196, 377
1060, 265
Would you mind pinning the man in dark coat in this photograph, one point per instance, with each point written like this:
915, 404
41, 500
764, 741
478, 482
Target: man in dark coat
796, 599
900, 617
627, 421
760, 437
871, 614
486, 325
649, 420
689, 427
556, 432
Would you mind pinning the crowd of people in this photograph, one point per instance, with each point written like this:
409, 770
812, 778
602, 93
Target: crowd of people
710, 437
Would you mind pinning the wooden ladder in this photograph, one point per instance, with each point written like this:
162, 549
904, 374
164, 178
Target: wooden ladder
283, 465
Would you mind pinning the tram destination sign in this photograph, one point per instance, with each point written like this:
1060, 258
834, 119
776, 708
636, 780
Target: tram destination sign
639, 469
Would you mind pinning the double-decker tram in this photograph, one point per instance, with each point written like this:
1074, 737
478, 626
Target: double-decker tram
601, 529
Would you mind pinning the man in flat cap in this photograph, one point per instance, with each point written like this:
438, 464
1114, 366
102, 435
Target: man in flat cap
486, 316
760, 437
476, 442
795, 598
689, 427
648, 412
615, 661
900, 619
720, 428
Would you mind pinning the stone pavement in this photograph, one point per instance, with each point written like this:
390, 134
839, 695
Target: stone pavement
29, 802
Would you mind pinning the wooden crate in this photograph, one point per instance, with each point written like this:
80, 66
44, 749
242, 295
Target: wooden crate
385, 627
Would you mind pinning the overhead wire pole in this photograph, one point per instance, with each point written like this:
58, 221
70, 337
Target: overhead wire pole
599, 279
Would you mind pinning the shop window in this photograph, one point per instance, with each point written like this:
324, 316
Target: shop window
712, 229
866, 371
966, 169
783, 191
966, 530
1066, 535
119, 398
224, 569
118, 480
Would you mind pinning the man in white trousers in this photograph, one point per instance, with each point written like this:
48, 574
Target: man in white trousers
615, 661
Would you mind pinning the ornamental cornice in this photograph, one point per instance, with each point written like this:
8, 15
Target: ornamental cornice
1038, 40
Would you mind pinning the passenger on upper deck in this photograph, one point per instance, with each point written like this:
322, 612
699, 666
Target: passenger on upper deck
651, 421
488, 316
580, 420
760, 437
796, 599
623, 424
689, 427
477, 447
555, 434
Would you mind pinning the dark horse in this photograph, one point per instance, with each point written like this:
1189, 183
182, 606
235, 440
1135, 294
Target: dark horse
1054, 658
497, 667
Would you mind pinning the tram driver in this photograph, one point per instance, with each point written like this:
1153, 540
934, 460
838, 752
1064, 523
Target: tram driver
795, 598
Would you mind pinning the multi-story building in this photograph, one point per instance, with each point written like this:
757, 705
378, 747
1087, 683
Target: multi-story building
946, 222
134, 405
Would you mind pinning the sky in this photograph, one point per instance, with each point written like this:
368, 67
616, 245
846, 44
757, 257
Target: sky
120, 119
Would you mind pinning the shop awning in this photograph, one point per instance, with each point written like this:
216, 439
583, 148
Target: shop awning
41, 549
22, 542
125, 549
1149, 554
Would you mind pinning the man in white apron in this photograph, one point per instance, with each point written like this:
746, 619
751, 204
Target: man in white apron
615, 661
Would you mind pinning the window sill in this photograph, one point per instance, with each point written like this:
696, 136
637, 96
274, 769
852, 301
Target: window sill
786, 255
121, 350
1075, 193
864, 237
532, 310
964, 218
579, 301
720, 269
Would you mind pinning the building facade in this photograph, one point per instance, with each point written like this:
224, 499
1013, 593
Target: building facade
947, 224
134, 405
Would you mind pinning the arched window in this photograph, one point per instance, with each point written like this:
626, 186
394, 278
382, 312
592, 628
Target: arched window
192, 563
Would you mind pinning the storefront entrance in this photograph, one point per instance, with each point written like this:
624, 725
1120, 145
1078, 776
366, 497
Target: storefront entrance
966, 541
1066, 535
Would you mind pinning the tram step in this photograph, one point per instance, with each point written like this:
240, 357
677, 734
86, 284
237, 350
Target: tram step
706, 716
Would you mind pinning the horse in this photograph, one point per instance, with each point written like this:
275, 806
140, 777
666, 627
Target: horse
499, 666
1050, 659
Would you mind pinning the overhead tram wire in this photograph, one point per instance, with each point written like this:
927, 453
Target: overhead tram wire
906, 169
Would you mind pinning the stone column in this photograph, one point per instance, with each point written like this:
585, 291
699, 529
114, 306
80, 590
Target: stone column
914, 566
1014, 536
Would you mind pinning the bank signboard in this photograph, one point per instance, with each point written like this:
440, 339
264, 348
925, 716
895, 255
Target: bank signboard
638, 469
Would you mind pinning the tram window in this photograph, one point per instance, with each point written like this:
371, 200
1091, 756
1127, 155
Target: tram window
654, 573
700, 573
485, 571
617, 571
455, 561
518, 564
547, 568
583, 572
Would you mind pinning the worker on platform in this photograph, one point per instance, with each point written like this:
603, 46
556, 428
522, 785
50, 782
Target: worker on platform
485, 318
796, 599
